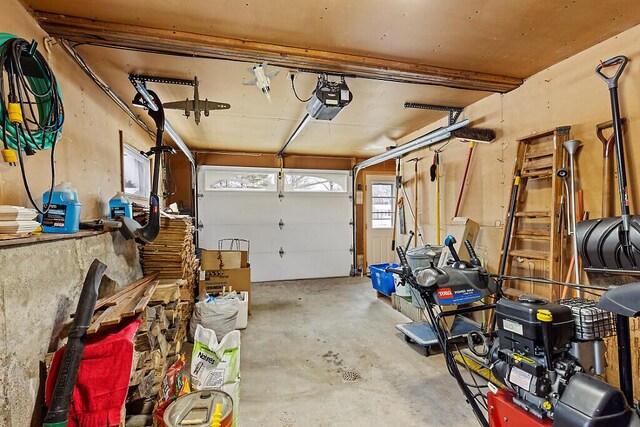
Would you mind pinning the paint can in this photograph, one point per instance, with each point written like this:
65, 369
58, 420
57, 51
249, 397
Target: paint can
196, 409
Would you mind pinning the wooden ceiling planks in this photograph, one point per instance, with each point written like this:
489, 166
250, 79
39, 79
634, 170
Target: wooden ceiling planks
159, 40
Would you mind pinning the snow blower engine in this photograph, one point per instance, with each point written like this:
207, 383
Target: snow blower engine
544, 351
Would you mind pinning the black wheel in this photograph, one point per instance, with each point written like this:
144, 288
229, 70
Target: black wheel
407, 339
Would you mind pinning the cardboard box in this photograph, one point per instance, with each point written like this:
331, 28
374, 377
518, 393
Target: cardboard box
237, 278
223, 260
462, 228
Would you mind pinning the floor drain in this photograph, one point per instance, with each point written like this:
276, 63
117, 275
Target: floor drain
350, 376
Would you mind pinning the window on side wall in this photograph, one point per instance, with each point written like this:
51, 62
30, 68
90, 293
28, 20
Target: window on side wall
136, 172
382, 204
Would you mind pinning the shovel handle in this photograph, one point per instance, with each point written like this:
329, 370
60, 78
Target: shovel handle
612, 81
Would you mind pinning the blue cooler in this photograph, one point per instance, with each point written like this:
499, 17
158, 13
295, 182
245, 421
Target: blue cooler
120, 206
64, 212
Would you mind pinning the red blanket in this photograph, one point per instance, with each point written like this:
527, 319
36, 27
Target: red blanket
103, 378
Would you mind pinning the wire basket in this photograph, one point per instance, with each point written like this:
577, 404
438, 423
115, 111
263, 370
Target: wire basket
590, 322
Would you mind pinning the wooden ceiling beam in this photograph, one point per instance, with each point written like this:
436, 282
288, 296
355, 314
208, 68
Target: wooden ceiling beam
81, 30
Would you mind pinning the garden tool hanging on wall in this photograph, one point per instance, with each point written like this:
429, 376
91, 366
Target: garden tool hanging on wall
435, 177
607, 244
572, 147
416, 191
398, 184
607, 165
472, 136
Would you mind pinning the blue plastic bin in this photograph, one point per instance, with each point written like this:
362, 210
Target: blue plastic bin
381, 280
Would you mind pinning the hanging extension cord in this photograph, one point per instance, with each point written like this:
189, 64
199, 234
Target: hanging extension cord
31, 111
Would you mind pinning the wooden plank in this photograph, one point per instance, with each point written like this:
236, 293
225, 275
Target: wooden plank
113, 298
538, 235
537, 135
538, 175
534, 214
127, 303
528, 254
542, 162
165, 293
178, 42
142, 303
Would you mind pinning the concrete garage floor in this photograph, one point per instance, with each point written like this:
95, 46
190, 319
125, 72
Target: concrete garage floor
304, 335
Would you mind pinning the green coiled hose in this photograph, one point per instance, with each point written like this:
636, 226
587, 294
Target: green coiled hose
31, 111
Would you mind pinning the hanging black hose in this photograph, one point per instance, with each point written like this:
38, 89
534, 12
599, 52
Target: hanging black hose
31, 110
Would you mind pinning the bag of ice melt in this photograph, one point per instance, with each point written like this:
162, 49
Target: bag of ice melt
217, 365
217, 314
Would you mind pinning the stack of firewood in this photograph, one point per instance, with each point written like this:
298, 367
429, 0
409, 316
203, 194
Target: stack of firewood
172, 254
158, 344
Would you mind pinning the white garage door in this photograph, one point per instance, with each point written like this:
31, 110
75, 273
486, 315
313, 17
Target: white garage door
299, 227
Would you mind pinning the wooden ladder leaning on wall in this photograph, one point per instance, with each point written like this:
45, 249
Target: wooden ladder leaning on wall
537, 235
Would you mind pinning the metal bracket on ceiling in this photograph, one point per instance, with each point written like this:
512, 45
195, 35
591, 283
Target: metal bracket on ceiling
454, 112
328, 73
164, 80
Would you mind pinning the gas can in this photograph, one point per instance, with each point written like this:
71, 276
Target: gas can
120, 205
64, 212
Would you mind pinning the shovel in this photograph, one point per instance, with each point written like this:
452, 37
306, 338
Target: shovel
606, 244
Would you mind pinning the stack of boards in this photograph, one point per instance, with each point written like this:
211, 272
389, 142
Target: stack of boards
16, 220
172, 255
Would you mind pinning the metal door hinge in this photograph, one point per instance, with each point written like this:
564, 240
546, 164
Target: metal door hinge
200, 225
281, 224
281, 252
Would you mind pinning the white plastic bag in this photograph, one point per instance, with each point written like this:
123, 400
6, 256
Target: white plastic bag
217, 365
219, 315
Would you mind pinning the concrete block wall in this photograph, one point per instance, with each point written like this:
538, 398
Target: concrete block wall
39, 289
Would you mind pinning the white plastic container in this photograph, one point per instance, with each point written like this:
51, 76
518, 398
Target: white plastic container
243, 311
401, 291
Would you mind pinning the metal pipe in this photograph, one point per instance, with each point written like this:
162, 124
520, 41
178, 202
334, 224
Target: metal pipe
572, 147
295, 134
354, 269
73, 53
426, 140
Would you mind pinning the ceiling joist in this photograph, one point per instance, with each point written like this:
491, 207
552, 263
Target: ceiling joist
81, 30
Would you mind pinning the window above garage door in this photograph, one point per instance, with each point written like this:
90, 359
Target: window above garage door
266, 180
316, 181
240, 179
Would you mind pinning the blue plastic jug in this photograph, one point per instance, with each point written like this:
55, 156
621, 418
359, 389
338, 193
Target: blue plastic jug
64, 212
120, 205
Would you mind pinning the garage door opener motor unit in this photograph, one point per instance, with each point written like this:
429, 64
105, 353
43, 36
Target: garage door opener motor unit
329, 98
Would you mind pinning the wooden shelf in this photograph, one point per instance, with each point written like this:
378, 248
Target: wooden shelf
46, 237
